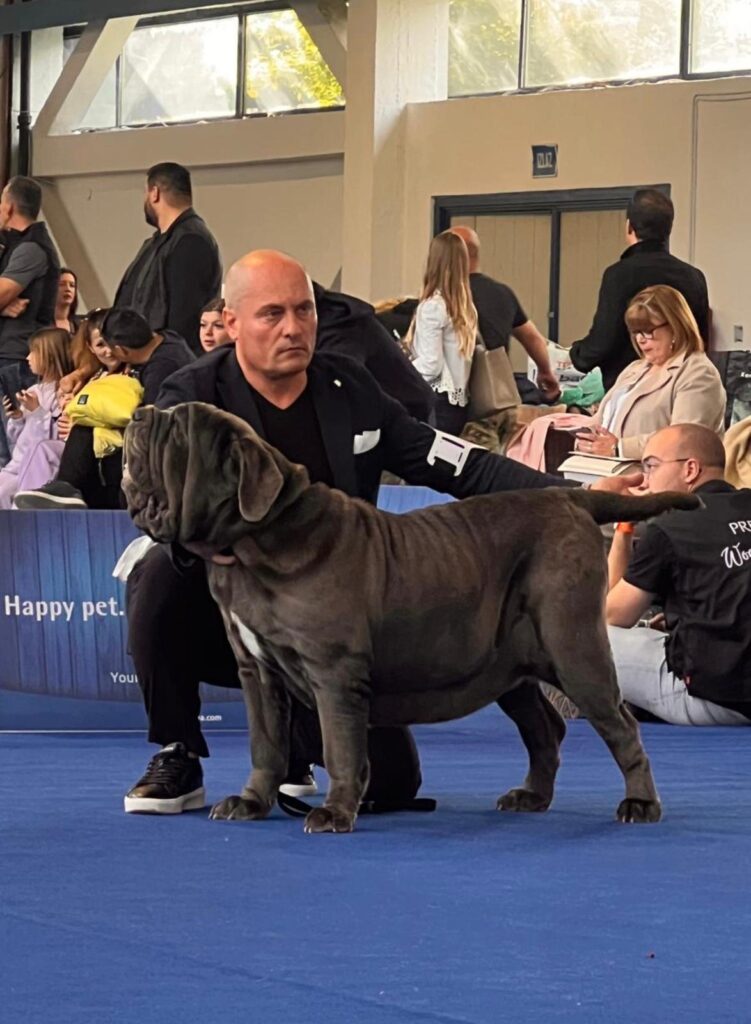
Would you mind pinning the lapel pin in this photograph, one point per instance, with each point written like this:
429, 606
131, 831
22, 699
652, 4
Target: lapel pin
337, 382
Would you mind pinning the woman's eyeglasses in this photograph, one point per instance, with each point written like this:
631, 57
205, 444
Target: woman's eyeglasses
648, 335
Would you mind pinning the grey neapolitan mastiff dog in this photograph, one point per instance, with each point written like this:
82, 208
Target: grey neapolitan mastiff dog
390, 619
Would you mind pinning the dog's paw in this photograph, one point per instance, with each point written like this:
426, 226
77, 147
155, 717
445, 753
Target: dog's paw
523, 800
631, 811
329, 819
239, 808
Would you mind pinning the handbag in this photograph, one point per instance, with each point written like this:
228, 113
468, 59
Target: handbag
492, 388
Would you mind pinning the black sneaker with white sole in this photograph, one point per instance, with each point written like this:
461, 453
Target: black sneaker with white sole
54, 495
172, 783
300, 783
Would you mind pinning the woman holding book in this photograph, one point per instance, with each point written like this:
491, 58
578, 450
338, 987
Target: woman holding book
672, 381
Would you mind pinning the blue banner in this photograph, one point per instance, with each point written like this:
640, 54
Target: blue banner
63, 637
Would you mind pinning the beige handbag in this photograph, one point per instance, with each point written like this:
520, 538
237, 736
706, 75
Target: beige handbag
492, 388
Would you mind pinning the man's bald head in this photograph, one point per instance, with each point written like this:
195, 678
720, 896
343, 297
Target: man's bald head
691, 440
472, 241
682, 457
257, 268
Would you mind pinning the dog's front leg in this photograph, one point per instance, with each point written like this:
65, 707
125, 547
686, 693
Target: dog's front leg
268, 707
343, 710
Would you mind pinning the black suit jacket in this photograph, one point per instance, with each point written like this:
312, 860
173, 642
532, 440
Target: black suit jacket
364, 430
608, 344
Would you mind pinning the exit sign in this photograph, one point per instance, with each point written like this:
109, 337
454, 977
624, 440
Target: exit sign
544, 161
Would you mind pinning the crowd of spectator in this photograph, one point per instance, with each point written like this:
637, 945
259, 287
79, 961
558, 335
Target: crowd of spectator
71, 383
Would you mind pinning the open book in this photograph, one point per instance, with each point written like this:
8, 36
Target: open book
588, 468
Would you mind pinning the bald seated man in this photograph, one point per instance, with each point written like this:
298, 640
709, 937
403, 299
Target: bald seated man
500, 315
697, 567
325, 411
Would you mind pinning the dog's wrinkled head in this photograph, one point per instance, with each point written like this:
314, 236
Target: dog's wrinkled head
201, 477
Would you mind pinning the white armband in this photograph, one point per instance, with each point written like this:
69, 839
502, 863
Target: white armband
452, 450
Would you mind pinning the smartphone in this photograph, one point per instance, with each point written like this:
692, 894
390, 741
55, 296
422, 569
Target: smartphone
6, 394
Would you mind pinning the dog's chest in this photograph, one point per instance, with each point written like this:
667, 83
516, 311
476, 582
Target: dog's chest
274, 655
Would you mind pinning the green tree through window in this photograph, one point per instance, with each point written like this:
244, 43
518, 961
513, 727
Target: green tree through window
284, 69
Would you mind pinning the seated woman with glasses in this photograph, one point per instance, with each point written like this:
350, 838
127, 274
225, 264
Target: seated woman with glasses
672, 381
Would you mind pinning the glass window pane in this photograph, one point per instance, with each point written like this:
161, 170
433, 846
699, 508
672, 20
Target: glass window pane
102, 112
721, 35
183, 72
573, 41
284, 69
483, 46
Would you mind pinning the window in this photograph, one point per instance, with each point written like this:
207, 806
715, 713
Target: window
180, 72
573, 41
195, 69
283, 69
483, 46
497, 45
721, 32
103, 110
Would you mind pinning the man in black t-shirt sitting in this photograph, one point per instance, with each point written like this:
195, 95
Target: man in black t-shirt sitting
500, 315
697, 566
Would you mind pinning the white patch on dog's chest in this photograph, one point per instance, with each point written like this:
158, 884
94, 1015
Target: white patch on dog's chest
249, 638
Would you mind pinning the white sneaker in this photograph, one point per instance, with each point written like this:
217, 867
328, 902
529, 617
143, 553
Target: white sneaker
300, 785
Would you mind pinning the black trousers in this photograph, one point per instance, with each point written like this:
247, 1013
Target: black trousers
177, 640
447, 417
98, 480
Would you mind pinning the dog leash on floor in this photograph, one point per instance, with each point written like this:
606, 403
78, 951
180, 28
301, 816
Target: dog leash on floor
298, 808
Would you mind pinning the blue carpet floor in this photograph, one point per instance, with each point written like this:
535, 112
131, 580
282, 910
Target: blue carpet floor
464, 915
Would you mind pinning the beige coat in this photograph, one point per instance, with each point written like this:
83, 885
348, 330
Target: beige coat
738, 454
686, 389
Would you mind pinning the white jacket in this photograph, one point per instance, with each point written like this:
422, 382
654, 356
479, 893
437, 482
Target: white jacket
436, 347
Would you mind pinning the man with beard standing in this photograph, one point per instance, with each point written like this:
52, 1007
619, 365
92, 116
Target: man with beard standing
178, 270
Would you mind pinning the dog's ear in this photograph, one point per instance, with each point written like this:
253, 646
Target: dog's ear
260, 479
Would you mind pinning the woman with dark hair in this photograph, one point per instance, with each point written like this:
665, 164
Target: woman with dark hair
67, 301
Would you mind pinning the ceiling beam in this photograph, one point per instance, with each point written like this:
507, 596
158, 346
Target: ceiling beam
97, 50
34, 14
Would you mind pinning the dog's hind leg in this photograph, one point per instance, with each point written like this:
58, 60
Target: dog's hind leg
344, 713
542, 730
584, 666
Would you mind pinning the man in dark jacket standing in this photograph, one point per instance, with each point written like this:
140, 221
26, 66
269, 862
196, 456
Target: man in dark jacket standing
350, 327
646, 262
29, 272
178, 270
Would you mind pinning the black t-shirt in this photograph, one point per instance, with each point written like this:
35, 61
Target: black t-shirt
498, 310
295, 431
698, 564
172, 354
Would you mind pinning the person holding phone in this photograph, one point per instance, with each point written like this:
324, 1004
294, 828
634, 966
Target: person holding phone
33, 417
673, 380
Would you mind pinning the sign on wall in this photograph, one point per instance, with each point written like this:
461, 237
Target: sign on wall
544, 161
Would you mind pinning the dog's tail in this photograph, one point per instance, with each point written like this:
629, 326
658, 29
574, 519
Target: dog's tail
605, 507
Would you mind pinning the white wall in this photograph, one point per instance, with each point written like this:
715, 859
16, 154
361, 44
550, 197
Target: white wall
295, 207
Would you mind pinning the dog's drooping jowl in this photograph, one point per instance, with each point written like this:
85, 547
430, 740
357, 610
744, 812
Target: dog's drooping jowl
373, 618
